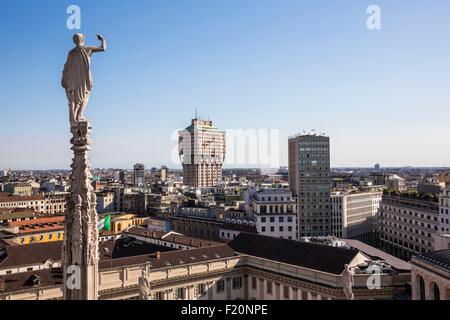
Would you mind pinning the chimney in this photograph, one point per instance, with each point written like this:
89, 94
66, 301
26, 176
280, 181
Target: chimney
158, 255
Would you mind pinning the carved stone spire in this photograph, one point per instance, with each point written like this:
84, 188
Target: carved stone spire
80, 249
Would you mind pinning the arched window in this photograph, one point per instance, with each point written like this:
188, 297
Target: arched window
421, 288
435, 291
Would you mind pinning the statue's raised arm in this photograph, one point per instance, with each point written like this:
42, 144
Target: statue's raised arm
102, 47
77, 78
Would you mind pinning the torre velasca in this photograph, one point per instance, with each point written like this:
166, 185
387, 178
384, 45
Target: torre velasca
202, 153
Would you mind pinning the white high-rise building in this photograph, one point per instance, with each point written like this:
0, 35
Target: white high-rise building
202, 153
355, 215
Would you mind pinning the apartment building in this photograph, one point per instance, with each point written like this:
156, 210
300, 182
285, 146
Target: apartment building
51, 203
407, 225
275, 213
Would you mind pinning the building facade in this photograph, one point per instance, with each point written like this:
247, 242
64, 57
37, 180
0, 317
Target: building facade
18, 189
275, 213
139, 174
407, 225
52, 203
444, 211
310, 182
106, 202
430, 275
202, 153
250, 267
355, 215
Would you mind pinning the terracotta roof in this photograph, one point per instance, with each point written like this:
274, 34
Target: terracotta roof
188, 241
308, 255
39, 225
143, 232
20, 198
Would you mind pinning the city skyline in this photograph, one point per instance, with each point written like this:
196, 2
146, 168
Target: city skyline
295, 67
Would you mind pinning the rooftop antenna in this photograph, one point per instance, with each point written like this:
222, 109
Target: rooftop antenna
196, 113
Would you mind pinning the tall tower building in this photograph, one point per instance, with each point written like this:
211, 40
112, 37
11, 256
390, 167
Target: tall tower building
310, 182
202, 152
139, 174
123, 176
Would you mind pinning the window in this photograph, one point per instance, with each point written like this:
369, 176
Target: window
272, 219
201, 289
254, 280
269, 287
220, 286
263, 229
237, 282
286, 292
263, 219
281, 219
181, 294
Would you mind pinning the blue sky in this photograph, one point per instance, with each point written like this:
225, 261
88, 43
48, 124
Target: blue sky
382, 96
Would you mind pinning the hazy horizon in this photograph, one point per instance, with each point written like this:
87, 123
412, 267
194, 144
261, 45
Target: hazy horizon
382, 96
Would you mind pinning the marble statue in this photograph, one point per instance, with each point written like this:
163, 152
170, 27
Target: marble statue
144, 284
80, 246
77, 77
348, 282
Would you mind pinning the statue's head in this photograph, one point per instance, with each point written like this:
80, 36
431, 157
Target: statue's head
78, 39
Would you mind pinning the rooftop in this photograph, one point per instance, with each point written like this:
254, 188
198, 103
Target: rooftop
440, 259
312, 256
30, 254
172, 258
16, 214
11, 198
22, 281
377, 254
171, 237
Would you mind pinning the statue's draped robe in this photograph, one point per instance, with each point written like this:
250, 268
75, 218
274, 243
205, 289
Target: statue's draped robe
77, 78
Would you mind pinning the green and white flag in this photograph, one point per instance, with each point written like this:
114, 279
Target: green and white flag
105, 223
